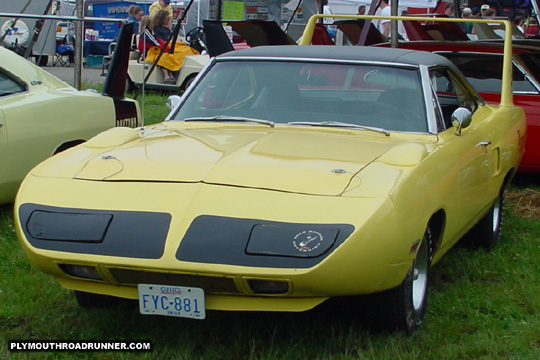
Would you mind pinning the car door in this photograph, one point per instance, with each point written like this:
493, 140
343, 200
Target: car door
475, 157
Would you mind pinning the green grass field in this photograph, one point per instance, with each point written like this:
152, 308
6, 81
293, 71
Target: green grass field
482, 305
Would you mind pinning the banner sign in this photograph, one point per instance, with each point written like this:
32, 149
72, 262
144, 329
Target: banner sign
118, 10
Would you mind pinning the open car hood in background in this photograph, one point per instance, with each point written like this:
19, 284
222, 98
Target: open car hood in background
353, 29
254, 32
261, 33
435, 31
115, 82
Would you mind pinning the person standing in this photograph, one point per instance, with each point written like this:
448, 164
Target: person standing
467, 14
483, 10
519, 21
361, 10
326, 11
160, 5
449, 10
135, 15
384, 25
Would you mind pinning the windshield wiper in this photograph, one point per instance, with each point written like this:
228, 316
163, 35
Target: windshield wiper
231, 118
341, 124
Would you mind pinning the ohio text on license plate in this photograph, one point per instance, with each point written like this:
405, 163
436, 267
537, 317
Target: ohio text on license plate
171, 301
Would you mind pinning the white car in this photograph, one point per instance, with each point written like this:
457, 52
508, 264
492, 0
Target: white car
40, 115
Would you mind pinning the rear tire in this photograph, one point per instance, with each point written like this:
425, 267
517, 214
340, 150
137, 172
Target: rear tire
188, 82
485, 234
91, 300
403, 307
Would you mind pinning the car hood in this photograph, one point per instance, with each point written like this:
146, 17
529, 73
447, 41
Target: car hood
292, 159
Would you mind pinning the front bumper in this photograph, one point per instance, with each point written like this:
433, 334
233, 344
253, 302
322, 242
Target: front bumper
359, 262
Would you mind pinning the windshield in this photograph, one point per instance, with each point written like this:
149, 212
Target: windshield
308, 93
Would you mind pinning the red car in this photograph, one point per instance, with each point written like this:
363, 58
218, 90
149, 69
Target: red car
481, 63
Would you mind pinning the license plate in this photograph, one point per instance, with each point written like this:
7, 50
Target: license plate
169, 300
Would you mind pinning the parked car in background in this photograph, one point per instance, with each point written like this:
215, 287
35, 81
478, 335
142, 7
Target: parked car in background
41, 116
482, 65
284, 176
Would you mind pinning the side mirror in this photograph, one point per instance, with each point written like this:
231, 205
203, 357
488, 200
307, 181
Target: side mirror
461, 118
173, 102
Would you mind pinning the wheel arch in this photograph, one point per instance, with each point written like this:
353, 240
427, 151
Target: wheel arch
437, 224
508, 178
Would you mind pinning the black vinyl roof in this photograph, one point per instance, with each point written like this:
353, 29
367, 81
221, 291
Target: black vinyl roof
352, 53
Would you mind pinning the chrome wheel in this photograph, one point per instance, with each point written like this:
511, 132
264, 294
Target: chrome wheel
420, 276
497, 213
403, 307
485, 233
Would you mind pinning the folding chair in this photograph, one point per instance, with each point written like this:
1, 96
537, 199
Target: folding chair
64, 55
107, 59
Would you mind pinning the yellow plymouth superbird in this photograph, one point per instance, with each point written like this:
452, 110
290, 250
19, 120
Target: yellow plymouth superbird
41, 115
285, 176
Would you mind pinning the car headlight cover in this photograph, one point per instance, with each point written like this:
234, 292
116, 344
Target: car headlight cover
291, 240
46, 225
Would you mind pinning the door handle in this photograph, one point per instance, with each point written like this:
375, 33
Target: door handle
484, 143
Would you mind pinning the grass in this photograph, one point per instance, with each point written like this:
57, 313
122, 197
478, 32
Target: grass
482, 305
153, 107
152, 104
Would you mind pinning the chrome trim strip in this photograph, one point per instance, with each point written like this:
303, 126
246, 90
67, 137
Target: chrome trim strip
428, 99
318, 60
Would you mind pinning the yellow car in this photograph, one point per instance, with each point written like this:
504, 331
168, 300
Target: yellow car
284, 176
41, 115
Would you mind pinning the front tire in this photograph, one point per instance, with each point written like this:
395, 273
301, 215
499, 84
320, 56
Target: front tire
403, 307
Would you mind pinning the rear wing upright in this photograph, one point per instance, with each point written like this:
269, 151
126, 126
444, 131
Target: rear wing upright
506, 86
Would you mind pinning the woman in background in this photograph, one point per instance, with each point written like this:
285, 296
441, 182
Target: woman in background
135, 15
162, 25
148, 42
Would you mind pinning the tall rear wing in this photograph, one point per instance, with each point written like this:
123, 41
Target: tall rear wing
506, 86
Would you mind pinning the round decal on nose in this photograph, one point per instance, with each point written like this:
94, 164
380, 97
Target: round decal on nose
307, 241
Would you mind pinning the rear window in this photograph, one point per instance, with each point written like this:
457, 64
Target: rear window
484, 72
